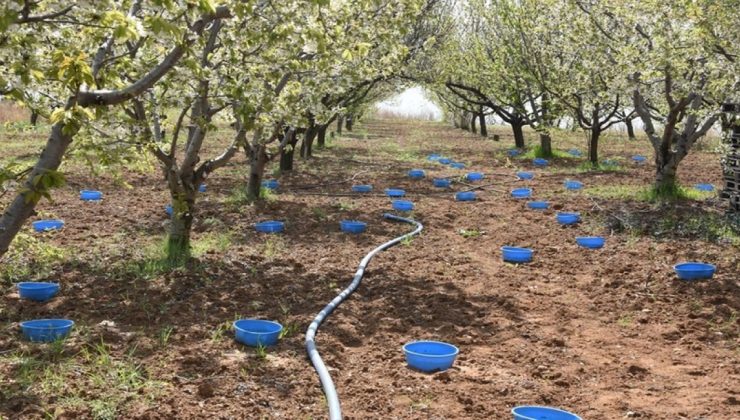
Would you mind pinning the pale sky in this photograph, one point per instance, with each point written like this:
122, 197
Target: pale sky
411, 103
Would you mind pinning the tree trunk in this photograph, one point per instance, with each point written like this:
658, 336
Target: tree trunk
340, 124
34, 118
287, 154
21, 208
483, 128
321, 137
518, 130
545, 145
455, 121
349, 121
257, 165
464, 121
307, 143
472, 123
630, 128
593, 146
178, 240
665, 174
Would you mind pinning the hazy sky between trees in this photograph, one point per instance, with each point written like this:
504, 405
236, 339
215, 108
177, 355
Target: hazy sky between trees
411, 103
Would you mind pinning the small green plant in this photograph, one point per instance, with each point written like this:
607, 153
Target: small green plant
470, 233
164, 335
625, 321
261, 352
274, 247
319, 213
406, 241
267, 194
30, 258
220, 331
342, 206
289, 330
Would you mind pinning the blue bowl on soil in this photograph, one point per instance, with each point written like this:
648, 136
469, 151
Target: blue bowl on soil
430, 356
257, 332
465, 196
362, 188
394, 192
444, 161
533, 412
46, 225
441, 182
573, 185
695, 271
516, 255
402, 205
168, 209
46, 330
590, 242
202, 188
704, 187
352, 226
270, 184
514, 152
88, 195
37, 291
565, 218
457, 165
639, 158
521, 193
540, 162
270, 226
575, 153
538, 205
434, 157
416, 174
474, 176
525, 175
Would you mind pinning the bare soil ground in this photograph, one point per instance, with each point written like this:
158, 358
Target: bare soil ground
607, 334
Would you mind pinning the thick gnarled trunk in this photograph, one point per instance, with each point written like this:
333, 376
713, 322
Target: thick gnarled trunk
321, 137
518, 130
482, 123
545, 145
257, 163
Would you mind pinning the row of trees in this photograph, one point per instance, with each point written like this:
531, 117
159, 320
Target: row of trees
156, 76
597, 63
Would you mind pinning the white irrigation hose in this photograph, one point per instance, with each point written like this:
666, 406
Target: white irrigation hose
335, 410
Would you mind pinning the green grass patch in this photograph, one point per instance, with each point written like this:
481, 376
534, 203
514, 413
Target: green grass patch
211, 242
537, 152
30, 259
647, 194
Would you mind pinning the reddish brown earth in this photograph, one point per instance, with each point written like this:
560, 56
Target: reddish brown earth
607, 334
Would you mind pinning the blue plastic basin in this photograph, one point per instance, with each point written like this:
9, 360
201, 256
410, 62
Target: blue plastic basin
202, 188
540, 162
394, 192
257, 332
513, 152
533, 412
44, 225
565, 218
37, 291
538, 205
46, 330
573, 185
639, 158
695, 270
402, 205
416, 174
362, 188
270, 226
434, 157
444, 161
168, 209
270, 184
352, 226
457, 165
88, 195
704, 187
465, 196
441, 182
591, 242
521, 192
474, 176
430, 356
575, 153
517, 255
525, 175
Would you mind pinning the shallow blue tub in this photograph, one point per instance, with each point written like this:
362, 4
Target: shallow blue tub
575, 153
457, 165
704, 187
639, 158
695, 270
46, 330
538, 205
590, 242
516, 255
89, 195
444, 161
395, 192
533, 412
524, 175
573, 185
441, 182
402, 205
434, 157
465, 196
352, 226
46, 225
416, 174
168, 209
521, 193
202, 188
270, 226
362, 188
474, 176
513, 152
257, 332
270, 184
540, 162
565, 218
430, 356
37, 291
